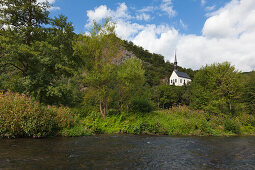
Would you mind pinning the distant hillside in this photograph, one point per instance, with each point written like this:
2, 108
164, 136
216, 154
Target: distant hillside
157, 71
248, 75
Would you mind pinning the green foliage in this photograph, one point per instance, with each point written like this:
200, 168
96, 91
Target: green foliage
100, 51
35, 59
141, 106
176, 121
232, 126
248, 95
130, 81
165, 96
216, 89
157, 71
113, 80
77, 130
22, 117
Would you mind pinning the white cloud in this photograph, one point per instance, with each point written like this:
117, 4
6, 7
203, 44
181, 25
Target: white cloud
203, 2
127, 30
158, 39
102, 12
143, 16
51, 2
167, 7
228, 35
147, 9
210, 8
184, 26
98, 14
52, 8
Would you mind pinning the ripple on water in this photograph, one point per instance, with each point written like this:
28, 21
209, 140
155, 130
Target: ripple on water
129, 152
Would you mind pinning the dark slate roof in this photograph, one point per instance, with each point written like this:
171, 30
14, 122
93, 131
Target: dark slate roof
182, 74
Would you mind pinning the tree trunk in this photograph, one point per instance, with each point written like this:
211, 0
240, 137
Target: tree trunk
105, 108
101, 110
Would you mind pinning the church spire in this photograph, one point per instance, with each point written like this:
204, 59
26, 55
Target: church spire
175, 62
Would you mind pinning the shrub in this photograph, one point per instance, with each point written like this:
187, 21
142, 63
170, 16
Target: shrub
141, 105
77, 130
232, 126
64, 116
22, 117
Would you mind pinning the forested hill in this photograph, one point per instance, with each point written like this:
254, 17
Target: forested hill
157, 70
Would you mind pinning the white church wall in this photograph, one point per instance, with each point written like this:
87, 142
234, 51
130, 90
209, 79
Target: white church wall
178, 81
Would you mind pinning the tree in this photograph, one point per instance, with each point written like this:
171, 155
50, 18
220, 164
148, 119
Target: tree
23, 20
166, 96
216, 88
130, 81
36, 60
100, 52
248, 96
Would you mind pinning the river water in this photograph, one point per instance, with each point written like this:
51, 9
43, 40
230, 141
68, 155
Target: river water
128, 152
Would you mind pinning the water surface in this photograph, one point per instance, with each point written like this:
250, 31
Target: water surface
129, 152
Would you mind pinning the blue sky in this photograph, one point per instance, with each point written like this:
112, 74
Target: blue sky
202, 31
191, 12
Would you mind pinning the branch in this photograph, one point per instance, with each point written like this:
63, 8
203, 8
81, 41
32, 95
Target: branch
14, 66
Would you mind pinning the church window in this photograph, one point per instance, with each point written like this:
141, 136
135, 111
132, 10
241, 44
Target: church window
184, 81
171, 81
175, 80
180, 80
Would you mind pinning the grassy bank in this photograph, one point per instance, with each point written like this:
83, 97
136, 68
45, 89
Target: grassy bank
176, 121
22, 117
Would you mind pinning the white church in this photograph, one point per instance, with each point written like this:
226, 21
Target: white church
178, 78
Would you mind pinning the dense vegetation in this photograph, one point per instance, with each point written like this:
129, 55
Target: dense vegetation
177, 121
20, 116
54, 81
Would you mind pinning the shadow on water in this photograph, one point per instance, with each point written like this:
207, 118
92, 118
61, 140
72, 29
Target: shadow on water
129, 152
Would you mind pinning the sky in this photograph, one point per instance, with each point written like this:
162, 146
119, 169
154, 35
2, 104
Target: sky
201, 32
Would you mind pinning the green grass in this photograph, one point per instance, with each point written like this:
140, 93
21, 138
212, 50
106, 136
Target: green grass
176, 121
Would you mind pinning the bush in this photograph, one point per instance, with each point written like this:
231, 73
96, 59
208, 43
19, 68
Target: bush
64, 117
232, 126
22, 117
141, 105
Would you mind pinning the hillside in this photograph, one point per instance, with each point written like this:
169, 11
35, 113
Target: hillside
157, 70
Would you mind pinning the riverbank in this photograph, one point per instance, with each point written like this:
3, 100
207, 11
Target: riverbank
22, 117
175, 121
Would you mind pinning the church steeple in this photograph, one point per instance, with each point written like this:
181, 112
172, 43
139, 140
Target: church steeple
175, 62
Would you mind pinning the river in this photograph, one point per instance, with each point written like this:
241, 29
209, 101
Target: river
128, 152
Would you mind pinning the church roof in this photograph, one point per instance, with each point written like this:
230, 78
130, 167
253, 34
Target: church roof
182, 74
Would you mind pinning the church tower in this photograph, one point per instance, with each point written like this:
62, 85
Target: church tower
178, 78
175, 63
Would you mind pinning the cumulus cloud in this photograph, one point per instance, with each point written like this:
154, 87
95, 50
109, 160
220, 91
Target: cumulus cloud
101, 12
143, 16
167, 6
228, 35
51, 2
157, 39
